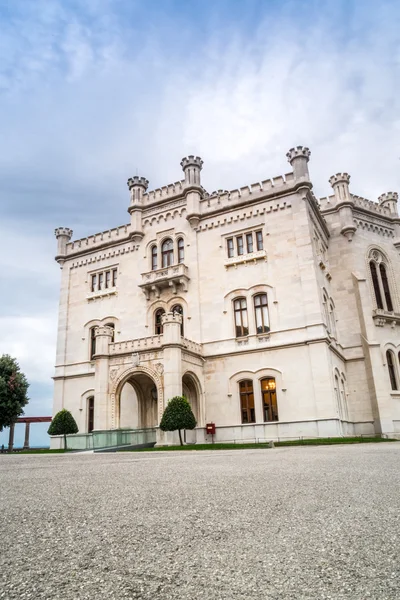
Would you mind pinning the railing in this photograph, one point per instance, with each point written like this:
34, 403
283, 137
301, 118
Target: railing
192, 346
147, 343
111, 438
153, 277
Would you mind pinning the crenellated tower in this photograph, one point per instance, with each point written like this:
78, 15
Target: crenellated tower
192, 166
389, 200
63, 235
137, 188
298, 157
344, 202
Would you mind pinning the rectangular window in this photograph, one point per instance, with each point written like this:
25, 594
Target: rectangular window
247, 401
94, 282
259, 239
108, 279
90, 414
261, 313
101, 278
114, 277
229, 243
270, 406
239, 243
249, 242
241, 322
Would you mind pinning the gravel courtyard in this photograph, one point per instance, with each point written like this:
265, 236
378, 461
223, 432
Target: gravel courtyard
318, 522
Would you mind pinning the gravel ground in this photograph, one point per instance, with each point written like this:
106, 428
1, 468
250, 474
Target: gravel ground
256, 524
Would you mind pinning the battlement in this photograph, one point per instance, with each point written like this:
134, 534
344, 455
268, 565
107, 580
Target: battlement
226, 199
63, 231
138, 182
298, 152
339, 178
164, 193
118, 234
191, 161
329, 202
388, 197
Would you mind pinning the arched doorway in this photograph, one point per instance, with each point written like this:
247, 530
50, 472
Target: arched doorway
138, 402
191, 392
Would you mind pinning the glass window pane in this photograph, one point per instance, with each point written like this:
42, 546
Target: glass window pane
229, 243
101, 277
259, 239
94, 281
114, 277
374, 275
108, 279
249, 242
239, 242
385, 285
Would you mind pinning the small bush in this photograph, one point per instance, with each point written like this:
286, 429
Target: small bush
63, 424
177, 416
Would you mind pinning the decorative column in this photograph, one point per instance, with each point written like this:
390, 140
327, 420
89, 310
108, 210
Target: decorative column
102, 406
172, 350
137, 187
26, 442
298, 158
192, 166
344, 202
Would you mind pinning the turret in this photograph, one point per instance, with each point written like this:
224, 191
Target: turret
104, 335
171, 323
389, 200
298, 158
63, 235
192, 166
340, 185
137, 187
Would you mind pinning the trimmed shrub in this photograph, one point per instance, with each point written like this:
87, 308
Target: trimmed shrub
63, 424
177, 416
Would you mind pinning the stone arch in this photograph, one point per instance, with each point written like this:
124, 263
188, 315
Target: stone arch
122, 379
195, 382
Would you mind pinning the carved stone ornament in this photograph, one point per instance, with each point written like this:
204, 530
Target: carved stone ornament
160, 368
113, 374
135, 359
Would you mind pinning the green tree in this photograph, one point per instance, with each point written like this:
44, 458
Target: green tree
13, 391
178, 415
63, 424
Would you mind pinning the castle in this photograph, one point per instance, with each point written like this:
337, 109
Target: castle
275, 313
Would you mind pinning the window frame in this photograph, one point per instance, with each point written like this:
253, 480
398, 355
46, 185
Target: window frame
154, 257
259, 309
178, 308
245, 392
270, 409
181, 250
242, 311
158, 326
90, 414
259, 240
92, 345
239, 245
391, 366
167, 255
230, 246
249, 246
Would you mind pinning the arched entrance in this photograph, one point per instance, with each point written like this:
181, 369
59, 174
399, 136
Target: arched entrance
137, 398
190, 389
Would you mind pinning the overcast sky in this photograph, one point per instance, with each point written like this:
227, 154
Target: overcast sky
95, 91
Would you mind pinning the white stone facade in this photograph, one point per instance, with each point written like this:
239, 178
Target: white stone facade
321, 359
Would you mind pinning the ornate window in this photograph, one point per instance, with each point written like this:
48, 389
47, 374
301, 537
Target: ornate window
332, 318
261, 313
270, 405
181, 250
158, 326
154, 258
90, 402
391, 369
103, 280
178, 310
241, 320
167, 253
380, 281
247, 401
326, 312
92, 343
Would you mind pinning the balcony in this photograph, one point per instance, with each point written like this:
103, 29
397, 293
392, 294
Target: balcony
153, 342
175, 278
383, 317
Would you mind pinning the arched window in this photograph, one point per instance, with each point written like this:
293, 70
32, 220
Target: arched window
178, 310
167, 253
90, 414
326, 312
375, 283
181, 250
385, 285
154, 258
391, 369
247, 401
332, 318
270, 405
92, 343
113, 330
380, 281
261, 313
337, 392
241, 320
158, 327
344, 399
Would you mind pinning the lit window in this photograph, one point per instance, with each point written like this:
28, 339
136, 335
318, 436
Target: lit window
261, 313
167, 252
247, 401
241, 321
181, 250
239, 244
270, 406
249, 242
158, 327
259, 240
231, 251
391, 369
154, 258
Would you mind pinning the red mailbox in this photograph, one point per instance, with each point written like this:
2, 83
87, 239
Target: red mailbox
210, 428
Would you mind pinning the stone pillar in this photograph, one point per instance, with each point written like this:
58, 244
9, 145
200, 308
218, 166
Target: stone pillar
11, 438
172, 350
26, 442
192, 166
344, 202
102, 407
298, 158
137, 187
